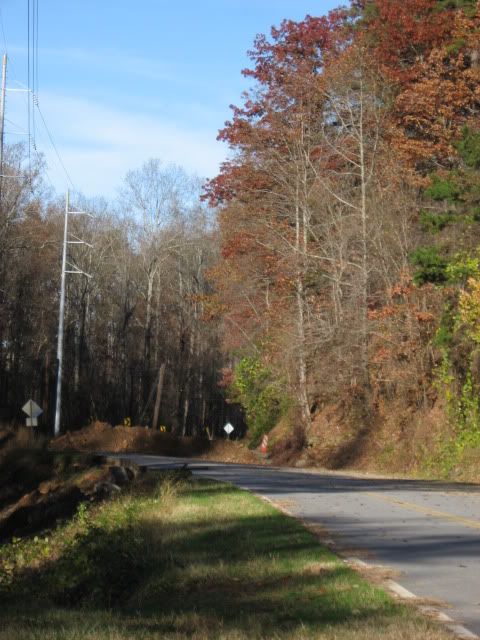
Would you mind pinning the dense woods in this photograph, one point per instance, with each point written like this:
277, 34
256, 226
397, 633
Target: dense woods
139, 316
333, 262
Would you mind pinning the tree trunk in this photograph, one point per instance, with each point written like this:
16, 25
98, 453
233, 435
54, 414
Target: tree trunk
158, 399
364, 249
300, 239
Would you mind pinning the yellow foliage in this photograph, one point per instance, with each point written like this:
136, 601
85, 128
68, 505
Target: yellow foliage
469, 308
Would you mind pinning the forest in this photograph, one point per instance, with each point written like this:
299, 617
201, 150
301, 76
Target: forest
140, 312
324, 288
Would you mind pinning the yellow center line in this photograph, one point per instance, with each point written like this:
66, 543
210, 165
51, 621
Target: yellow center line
472, 524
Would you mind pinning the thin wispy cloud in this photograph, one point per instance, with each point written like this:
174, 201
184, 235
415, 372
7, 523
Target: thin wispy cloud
116, 61
100, 144
151, 79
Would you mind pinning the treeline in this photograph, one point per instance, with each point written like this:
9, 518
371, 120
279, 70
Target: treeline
338, 259
140, 315
349, 214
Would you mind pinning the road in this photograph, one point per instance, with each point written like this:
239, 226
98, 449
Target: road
428, 533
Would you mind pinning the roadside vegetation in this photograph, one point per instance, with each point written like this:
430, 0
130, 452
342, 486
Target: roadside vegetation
323, 288
180, 558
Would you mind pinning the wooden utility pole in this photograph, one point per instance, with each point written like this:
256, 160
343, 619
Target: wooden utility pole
158, 399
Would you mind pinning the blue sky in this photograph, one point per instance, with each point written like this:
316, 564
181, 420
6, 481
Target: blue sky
124, 81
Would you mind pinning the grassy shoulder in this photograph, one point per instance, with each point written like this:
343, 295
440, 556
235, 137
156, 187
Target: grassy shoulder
190, 559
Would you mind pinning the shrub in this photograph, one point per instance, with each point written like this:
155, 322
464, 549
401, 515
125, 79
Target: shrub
442, 189
469, 148
100, 566
260, 394
432, 267
462, 267
435, 222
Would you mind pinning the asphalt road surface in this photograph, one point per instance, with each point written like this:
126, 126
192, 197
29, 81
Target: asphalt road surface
428, 533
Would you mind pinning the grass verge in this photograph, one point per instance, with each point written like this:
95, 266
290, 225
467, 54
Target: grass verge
191, 559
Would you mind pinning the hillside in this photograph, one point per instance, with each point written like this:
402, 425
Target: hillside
350, 226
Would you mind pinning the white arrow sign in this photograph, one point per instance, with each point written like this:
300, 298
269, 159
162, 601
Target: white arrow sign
32, 409
228, 428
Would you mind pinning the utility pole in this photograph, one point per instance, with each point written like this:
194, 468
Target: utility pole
2, 117
61, 317
61, 320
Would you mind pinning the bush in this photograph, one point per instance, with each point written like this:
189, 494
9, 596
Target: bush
100, 567
469, 148
462, 267
442, 189
262, 397
435, 222
432, 267
468, 6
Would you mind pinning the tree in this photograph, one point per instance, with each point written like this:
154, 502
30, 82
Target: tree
268, 184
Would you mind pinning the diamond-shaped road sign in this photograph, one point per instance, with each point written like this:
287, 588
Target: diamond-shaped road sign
228, 428
32, 409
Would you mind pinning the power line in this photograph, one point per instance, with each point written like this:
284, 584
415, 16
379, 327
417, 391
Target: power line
34, 67
32, 89
35, 100
11, 65
3, 31
36, 47
40, 157
29, 90
49, 134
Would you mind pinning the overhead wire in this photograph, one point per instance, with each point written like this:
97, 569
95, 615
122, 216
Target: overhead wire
35, 88
41, 159
15, 124
11, 65
29, 93
33, 71
3, 31
32, 92
36, 105
52, 142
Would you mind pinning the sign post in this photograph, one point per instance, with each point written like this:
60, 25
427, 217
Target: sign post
33, 412
228, 428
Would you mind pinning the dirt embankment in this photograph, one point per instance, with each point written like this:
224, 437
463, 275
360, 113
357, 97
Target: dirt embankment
101, 436
341, 437
39, 486
393, 439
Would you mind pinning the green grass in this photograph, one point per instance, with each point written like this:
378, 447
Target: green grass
196, 559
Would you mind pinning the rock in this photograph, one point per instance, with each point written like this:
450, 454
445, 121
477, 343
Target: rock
105, 489
119, 476
132, 472
48, 486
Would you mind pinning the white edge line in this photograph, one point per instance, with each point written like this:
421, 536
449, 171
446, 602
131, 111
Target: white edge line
460, 631
399, 590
